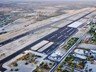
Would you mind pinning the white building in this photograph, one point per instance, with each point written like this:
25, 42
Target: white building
80, 51
80, 56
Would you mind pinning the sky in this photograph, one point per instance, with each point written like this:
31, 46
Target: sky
47, 0
42, 0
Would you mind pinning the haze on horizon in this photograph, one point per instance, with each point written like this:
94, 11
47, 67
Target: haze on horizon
42, 0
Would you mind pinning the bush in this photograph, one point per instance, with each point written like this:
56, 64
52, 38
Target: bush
15, 64
16, 69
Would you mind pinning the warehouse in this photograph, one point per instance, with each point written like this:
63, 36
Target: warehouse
79, 23
75, 24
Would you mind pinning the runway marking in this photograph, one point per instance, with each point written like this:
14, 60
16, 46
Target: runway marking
71, 32
51, 37
59, 36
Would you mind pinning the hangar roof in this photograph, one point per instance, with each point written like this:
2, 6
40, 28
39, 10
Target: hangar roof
75, 24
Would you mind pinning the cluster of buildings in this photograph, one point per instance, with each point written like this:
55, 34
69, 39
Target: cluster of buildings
83, 57
27, 61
